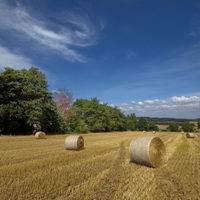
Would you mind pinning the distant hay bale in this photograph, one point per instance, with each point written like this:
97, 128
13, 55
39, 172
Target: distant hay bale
74, 143
144, 131
182, 133
153, 132
190, 135
149, 151
40, 135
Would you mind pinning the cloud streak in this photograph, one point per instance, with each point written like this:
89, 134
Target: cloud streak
76, 31
176, 107
13, 60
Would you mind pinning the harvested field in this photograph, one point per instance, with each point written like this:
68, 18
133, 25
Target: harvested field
162, 127
43, 169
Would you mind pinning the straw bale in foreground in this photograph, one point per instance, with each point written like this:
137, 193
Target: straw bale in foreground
149, 151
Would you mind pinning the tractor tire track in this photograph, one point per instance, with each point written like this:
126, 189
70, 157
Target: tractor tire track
110, 182
179, 178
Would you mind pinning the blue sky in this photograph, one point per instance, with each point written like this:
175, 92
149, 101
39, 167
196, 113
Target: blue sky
142, 56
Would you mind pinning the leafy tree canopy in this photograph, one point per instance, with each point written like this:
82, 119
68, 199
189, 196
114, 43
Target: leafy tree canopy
187, 127
93, 116
152, 127
131, 122
198, 123
25, 102
173, 127
142, 124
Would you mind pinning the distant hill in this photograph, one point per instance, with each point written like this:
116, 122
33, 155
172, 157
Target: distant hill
166, 121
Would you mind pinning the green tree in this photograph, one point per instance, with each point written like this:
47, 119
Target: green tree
142, 124
96, 117
116, 120
131, 122
198, 123
152, 127
173, 127
187, 127
81, 127
25, 103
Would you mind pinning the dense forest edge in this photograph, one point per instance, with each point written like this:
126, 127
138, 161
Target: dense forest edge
27, 106
167, 121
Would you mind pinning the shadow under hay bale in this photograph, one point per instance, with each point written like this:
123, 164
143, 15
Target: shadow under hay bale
149, 151
190, 135
40, 135
74, 143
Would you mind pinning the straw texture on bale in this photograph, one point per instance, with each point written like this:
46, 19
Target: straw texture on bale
40, 135
190, 135
149, 151
74, 142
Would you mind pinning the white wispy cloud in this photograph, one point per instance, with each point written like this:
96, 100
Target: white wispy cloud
155, 101
13, 60
140, 103
74, 31
133, 102
177, 107
183, 99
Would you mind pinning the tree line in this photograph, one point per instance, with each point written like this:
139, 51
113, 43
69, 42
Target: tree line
166, 121
27, 106
185, 126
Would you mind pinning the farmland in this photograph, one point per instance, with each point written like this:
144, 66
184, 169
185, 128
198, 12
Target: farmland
42, 169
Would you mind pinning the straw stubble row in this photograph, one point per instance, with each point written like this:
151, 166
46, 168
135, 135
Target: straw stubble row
149, 151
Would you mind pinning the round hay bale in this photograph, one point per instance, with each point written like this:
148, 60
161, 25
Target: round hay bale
182, 132
40, 135
154, 132
74, 142
149, 151
190, 135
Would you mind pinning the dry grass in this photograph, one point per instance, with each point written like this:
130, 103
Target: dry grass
162, 127
43, 169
